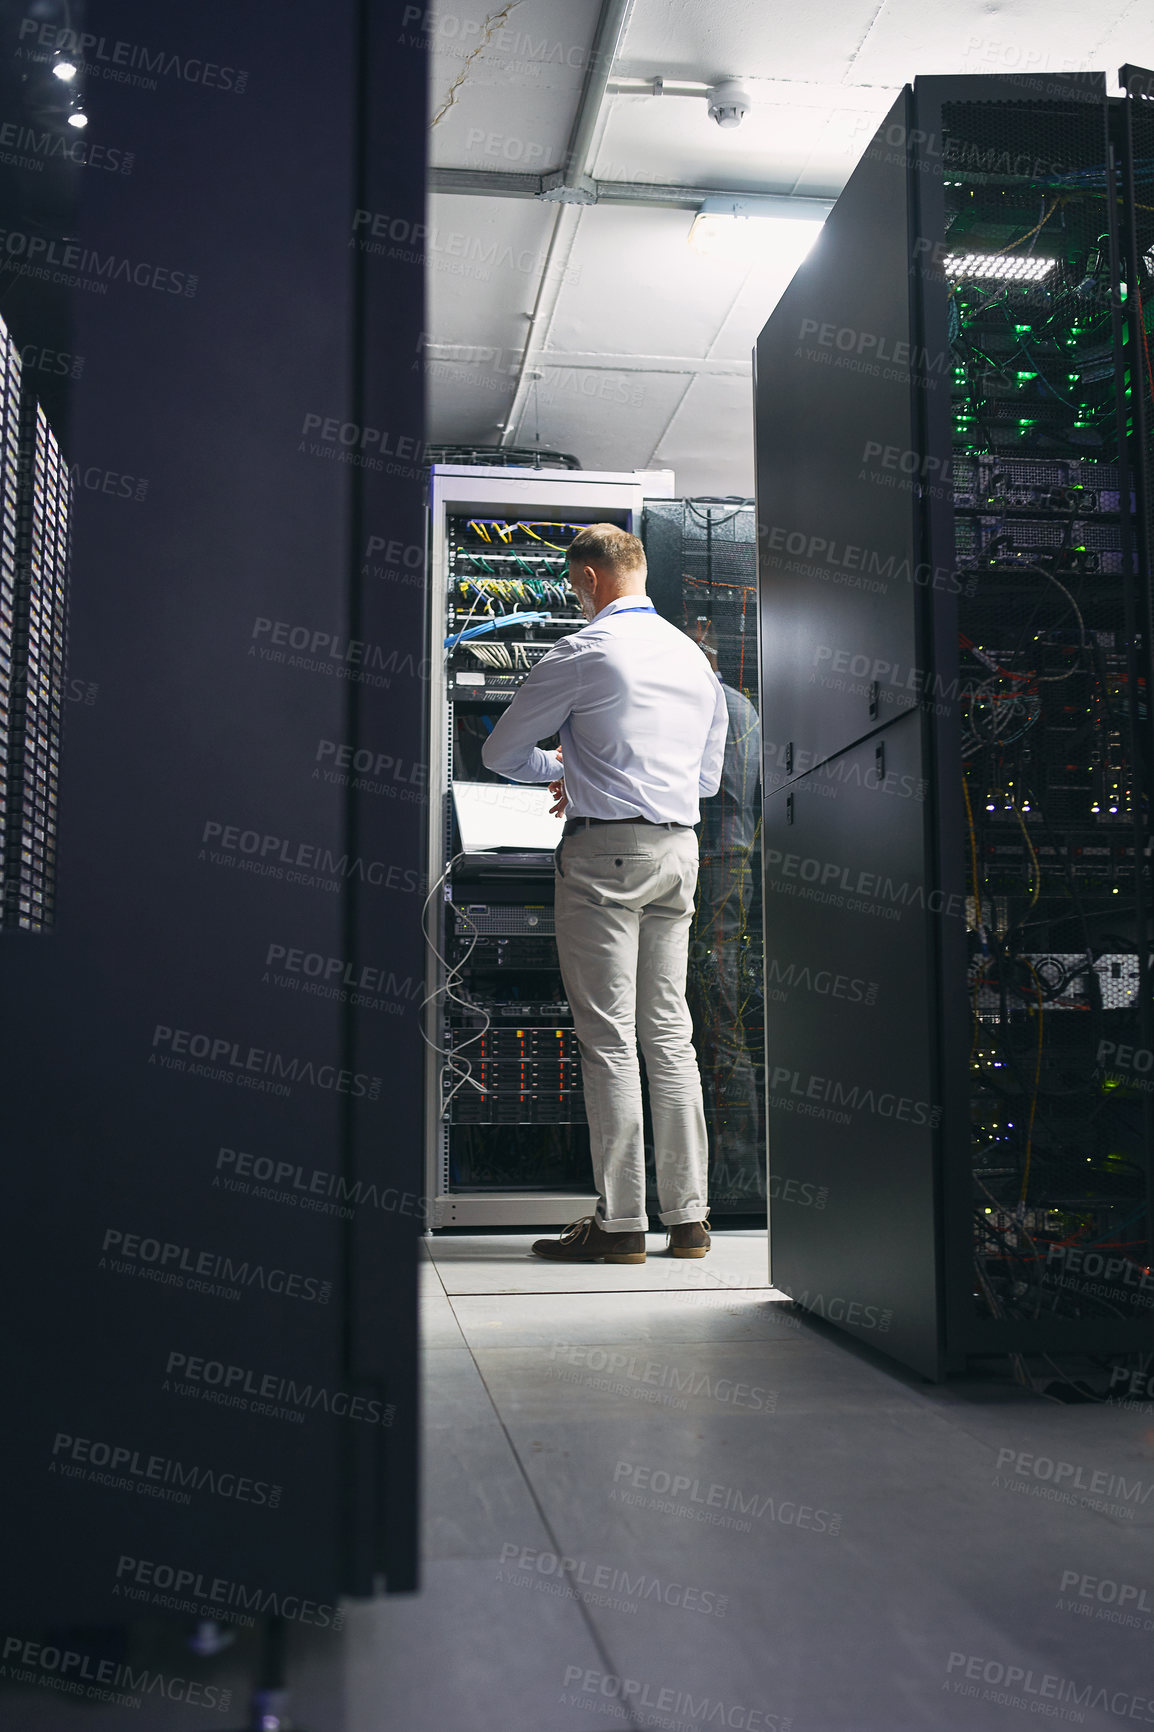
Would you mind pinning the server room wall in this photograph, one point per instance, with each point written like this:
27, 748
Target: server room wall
187, 1072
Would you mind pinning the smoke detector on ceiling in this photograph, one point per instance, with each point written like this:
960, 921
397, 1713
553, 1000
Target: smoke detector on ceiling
728, 103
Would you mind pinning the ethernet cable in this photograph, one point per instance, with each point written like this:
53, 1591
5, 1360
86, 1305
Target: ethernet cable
452, 1066
494, 625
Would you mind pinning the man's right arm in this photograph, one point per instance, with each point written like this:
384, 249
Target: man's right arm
543, 701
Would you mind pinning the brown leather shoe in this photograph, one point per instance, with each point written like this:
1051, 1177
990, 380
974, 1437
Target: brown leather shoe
585, 1242
689, 1239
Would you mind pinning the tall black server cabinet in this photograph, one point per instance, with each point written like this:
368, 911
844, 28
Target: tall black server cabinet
212, 1122
952, 404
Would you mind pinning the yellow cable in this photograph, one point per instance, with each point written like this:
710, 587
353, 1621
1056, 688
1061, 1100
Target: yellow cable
1012, 244
1009, 247
1037, 870
543, 539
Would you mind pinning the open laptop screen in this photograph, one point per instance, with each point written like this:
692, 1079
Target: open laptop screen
505, 815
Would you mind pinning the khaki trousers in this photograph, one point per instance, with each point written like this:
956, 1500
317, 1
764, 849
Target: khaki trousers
623, 907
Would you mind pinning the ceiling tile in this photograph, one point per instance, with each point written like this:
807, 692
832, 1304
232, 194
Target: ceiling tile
671, 138
485, 257
609, 420
911, 39
638, 286
506, 95
709, 445
687, 39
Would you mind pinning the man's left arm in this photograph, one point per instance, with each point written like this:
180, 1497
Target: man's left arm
544, 700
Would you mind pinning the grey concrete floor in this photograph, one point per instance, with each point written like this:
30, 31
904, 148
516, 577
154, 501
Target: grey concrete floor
656, 1497
764, 1526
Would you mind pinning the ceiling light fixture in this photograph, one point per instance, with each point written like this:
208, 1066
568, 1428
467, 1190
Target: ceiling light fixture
1008, 266
78, 119
65, 70
758, 230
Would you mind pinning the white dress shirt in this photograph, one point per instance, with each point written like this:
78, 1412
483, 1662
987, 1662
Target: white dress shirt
640, 713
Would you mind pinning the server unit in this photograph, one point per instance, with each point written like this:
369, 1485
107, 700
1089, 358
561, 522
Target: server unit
507, 1140
35, 512
952, 410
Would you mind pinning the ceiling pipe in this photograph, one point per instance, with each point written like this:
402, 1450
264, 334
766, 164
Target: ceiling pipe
493, 183
658, 85
611, 23
572, 185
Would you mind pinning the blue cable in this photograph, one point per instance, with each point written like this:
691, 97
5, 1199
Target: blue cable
494, 625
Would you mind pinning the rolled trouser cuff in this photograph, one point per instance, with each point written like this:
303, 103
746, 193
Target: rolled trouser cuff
682, 1217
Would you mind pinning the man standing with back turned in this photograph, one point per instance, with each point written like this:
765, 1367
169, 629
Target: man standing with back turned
642, 722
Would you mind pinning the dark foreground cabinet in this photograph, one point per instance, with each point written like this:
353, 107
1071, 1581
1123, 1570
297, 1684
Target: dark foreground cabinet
212, 1138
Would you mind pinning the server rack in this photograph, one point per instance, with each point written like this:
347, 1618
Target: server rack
702, 556
35, 514
954, 546
512, 1151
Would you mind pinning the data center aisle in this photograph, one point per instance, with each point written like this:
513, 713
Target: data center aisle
765, 1527
845, 1549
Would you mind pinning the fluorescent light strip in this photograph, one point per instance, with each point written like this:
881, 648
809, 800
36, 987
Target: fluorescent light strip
767, 229
1011, 269
750, 240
